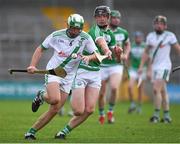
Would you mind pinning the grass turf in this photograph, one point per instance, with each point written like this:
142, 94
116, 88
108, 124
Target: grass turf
16, 118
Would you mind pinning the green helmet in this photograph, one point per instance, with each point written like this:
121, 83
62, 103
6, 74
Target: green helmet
115, 13
75, 20
160, 18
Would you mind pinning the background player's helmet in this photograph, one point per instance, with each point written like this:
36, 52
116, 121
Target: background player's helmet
115, 13
75, 20
138, 34
102, 10
160, 18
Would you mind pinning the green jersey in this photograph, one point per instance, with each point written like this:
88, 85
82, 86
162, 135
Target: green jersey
108, 35
136, 54
121, 36
97, 33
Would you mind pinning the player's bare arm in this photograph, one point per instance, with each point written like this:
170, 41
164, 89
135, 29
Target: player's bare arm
35, 59
102, 43
177, 47
127, 49
144, 59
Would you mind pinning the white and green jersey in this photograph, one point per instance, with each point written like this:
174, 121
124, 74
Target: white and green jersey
161, 59
97, 33
136, 54
64, 47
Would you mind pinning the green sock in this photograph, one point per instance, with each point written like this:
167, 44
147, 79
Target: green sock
156, 112
32, 131
67, 129
111, 106
101, 112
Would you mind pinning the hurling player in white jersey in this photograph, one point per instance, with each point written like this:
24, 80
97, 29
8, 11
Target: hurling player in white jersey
87, 83
66, 43
159, 43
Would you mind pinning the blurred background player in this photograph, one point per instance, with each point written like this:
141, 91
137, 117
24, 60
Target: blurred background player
159, 43
65, 43
137, 49
111, 70
87, 83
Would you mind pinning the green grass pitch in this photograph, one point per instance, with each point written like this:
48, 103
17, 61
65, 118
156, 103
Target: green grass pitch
16, 118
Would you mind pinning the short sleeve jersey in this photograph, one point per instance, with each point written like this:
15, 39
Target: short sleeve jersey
64, 47
136, 54
108, 35
97, 33
121, 36
162, 56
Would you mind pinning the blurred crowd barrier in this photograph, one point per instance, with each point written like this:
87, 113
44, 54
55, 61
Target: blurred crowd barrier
27, 90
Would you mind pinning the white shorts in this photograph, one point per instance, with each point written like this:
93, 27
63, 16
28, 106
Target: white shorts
65, 84
133, 73
106, 72
87, 78
160, 74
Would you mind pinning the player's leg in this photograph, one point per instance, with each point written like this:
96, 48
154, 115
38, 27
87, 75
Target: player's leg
91, 96
157, 99
43, 96
104, 74
102, 101
133, 77
78, 107
132, 106
115, 80
57, 99
140, 94
165, 105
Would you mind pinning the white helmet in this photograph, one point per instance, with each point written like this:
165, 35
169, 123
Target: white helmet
75, 20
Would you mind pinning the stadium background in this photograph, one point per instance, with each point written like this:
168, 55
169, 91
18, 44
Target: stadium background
25, 23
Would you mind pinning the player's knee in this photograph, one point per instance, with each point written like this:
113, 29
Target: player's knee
78, 113
90, 110
54, 109
54, 101
165, 101
129, 87
114, 89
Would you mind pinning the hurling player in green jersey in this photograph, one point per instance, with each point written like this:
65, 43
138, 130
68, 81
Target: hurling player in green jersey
137, 49
112, 70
